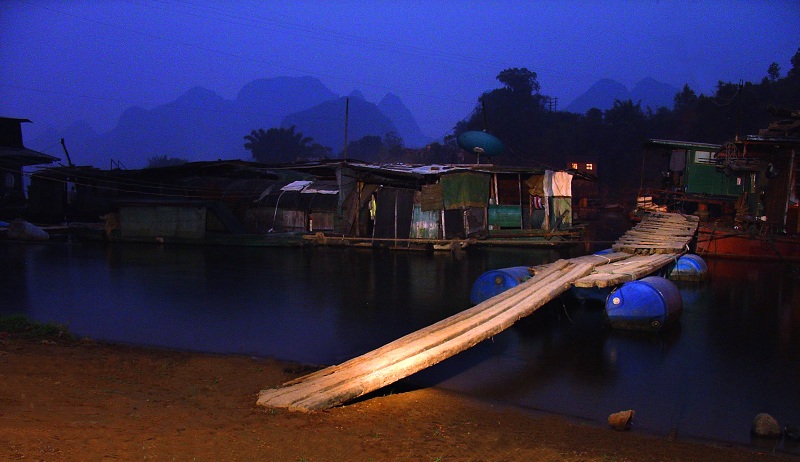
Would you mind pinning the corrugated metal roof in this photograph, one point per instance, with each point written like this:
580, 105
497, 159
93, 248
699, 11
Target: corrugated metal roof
438, 169
24, 156
685, 144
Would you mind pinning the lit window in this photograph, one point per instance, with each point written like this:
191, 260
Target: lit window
704, 157
589, 166
574, 165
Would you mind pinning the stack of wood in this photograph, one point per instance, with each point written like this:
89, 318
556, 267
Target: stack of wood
660, 233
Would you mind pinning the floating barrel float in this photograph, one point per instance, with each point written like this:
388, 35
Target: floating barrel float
495, 282
689, 267
650, 304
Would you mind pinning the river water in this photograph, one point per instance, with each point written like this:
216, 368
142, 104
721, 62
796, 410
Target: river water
735, 353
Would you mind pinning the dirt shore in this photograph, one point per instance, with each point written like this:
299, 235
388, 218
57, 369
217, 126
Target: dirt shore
82, 400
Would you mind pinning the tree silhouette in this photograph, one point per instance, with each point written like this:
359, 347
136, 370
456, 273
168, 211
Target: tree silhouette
774, 72
520, 81
512, 113
279, 145
367, 148
685, 99
612, 138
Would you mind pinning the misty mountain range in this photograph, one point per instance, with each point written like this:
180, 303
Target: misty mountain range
201, 125
601, 95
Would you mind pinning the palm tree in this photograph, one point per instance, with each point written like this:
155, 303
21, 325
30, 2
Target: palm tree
278, 145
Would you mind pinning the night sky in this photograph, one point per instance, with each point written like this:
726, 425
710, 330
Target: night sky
64, 61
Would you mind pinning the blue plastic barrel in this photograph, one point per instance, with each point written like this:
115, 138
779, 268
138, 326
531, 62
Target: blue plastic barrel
689, 267
497, 281
649, 304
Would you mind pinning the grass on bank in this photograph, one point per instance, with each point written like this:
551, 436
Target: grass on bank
20, 325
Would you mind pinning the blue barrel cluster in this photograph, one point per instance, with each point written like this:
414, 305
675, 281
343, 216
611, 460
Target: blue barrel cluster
650, 304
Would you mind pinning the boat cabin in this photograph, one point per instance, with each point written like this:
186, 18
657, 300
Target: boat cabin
752, 179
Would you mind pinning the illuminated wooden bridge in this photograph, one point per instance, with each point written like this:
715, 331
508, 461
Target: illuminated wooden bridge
651, 245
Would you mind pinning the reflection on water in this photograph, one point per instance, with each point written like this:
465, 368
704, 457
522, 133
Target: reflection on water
310, 305
736, 352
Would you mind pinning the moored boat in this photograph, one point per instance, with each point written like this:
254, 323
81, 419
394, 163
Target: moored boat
745, 191
728, 242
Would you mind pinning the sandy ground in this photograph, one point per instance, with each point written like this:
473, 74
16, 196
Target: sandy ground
81, 400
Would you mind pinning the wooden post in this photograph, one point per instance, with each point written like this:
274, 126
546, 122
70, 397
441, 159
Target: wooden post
346, 122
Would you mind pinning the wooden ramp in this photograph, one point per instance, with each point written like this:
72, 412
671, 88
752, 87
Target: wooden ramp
416, 351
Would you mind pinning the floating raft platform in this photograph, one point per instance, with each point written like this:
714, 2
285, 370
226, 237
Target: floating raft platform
668, 233
663, 239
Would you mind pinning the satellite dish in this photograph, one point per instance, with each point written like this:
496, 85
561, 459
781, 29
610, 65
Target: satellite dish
480, 143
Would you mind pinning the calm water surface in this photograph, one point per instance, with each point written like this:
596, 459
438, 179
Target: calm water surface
735, 353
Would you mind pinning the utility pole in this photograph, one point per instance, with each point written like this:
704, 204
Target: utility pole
64, 146
552, 103
346, 121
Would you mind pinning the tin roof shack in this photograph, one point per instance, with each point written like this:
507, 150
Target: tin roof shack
294, 206
333, 202
13, 157
437, 204
87, 193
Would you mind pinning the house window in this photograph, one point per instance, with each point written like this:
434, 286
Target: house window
589, 166
704, 157
575, 165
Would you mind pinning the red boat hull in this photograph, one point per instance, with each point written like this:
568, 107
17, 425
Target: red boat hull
731, 243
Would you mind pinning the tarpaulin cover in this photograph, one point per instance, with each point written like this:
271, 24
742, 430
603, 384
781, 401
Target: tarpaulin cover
535, 185
466, 189
432, 197
562, 184
561, 214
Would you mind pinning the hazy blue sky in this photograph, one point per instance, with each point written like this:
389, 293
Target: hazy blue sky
61, 61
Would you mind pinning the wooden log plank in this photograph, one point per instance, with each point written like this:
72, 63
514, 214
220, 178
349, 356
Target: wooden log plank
382, 359
632, 264
397, 352
387, 355
350, 387
541, 272
608, 275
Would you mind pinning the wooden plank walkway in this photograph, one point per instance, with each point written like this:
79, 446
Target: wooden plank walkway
338, 384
